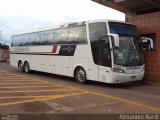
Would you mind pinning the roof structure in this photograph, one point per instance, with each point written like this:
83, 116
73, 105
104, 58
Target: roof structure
134, 7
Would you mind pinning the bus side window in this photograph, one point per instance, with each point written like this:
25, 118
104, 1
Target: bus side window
77, 34
100, 48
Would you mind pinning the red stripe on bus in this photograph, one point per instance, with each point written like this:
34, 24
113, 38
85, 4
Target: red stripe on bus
54, 49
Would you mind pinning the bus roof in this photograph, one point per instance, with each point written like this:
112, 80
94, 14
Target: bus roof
70, 25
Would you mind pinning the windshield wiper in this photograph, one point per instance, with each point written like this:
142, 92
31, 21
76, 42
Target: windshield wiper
132, 56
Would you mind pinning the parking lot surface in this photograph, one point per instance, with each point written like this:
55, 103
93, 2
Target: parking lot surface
42, 93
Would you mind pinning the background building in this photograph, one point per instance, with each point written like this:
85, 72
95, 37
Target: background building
4, 52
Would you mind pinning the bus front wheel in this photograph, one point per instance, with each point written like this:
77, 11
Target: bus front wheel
80, 75
26, 67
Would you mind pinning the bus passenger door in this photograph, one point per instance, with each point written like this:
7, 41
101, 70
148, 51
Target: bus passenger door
100, 49
104, 58
50, 64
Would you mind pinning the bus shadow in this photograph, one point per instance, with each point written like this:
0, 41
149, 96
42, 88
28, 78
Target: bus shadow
127, 85
72, 81
52, 76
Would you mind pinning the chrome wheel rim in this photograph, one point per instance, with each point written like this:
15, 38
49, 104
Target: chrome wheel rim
81, 75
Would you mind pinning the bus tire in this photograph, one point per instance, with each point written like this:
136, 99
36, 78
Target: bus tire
20, 66
80, 75
26, 68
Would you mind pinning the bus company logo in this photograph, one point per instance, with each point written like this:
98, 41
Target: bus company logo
131, 68
68, 49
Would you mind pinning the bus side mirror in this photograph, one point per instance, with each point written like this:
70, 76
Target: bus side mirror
147, 43
115, 39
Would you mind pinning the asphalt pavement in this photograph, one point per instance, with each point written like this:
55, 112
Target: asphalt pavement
44, 94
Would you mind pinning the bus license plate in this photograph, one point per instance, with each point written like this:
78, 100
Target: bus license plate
133, 77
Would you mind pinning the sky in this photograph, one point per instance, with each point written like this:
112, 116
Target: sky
25, 15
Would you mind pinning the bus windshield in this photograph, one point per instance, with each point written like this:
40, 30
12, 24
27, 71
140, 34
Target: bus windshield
127, 54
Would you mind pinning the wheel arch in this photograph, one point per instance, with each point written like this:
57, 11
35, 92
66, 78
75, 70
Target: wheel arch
26, 61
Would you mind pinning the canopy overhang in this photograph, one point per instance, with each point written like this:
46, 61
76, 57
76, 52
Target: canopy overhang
134, 7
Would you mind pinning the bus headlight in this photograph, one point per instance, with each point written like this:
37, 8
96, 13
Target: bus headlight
118, 70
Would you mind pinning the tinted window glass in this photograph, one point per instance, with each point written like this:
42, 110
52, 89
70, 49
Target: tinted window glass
77, 34
100, 48
35, 38
46, 37
104, 53
59, 36
123, 29
97, 30
14, 41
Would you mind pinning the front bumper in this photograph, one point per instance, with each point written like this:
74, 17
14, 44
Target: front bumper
122, 77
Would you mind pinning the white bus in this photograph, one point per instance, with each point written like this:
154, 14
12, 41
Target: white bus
100, 50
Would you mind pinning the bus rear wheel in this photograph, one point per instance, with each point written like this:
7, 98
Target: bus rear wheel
80, 75
26, 68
